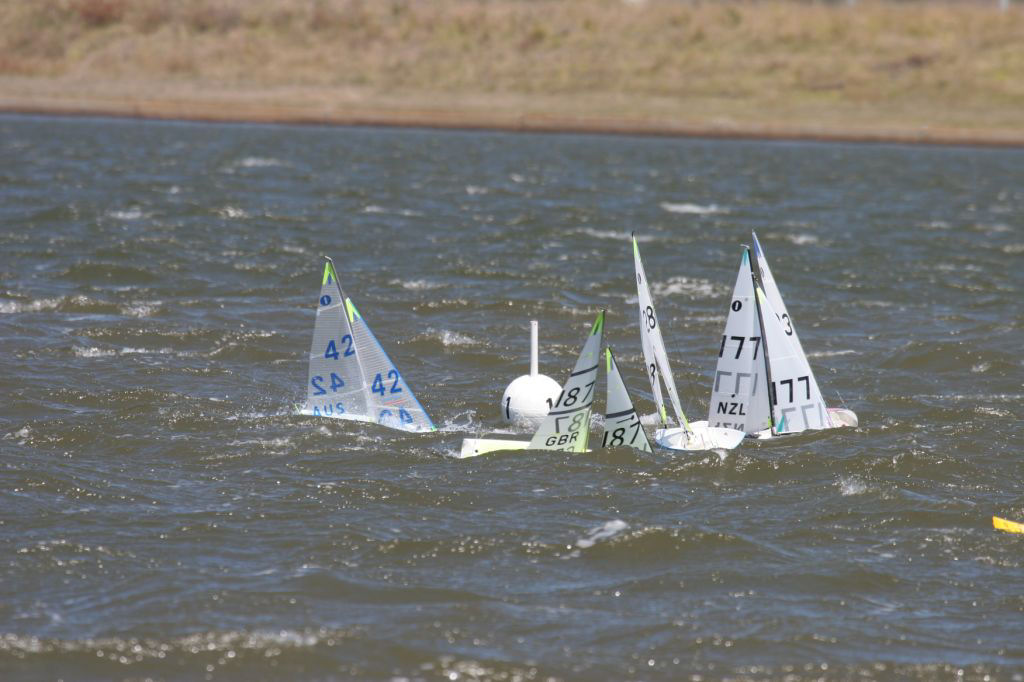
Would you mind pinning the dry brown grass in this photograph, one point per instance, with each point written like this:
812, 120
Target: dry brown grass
875, 62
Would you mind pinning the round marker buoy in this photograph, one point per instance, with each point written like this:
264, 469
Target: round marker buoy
528, 398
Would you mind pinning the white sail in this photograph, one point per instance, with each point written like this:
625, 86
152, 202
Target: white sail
350, 375
739, 395
567, 426
833, 416
797, 404
621, 422
655, 356
771, 291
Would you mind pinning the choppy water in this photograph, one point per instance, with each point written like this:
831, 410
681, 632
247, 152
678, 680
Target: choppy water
165, 515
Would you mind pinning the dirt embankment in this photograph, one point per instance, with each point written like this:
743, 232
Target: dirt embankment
874, 70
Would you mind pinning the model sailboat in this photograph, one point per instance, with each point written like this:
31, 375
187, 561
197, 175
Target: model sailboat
763, 382
567, 425
685, 435
350, 375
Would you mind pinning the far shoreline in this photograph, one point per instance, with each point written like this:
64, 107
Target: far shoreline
512, 122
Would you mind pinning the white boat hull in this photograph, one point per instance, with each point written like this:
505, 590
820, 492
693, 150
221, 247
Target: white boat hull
840, 417
700, 437
474, 447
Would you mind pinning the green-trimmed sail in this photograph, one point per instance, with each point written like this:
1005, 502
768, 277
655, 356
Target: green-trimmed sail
655, 355
567, 426
621, 422
350, 375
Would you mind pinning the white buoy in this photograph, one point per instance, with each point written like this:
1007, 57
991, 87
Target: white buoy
528, 398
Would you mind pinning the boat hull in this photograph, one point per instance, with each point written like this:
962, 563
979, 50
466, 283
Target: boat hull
700, 437
840, 417
474, 447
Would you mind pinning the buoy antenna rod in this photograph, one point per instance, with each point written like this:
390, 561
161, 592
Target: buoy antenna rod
533, 348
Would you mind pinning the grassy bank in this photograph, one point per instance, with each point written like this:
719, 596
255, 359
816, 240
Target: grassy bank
872, 69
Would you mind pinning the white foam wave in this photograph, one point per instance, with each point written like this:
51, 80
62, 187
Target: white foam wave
94, 352
140, 309
21, 435
608, 529
134, 650
473, 190
449, 338
802, 239
830, 353
852, 486
129, 214
692, 209
693, 287
417, 284
232, 212
992, 411
266, 443
9, 306
406, 212
259, 162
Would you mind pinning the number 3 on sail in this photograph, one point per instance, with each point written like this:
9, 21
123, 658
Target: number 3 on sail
350, 375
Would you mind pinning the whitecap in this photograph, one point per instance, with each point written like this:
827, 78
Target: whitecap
830, 353
9, 306
473, 190
259, 162
694, 287
405, 212
802, 239
93, 352
129, 214
139, 309
606, 530
416, 284
21, 435
852, 486
450, 338
263, 443
232, 212
692, 209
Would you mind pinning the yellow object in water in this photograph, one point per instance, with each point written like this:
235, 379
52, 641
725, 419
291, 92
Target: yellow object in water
1008, 526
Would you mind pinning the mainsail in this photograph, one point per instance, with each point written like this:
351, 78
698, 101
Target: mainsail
621, 422
787, 358
567, 426
739, 395
797, 404
350, 375
655, 356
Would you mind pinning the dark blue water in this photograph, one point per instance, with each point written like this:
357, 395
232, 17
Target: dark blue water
164, 513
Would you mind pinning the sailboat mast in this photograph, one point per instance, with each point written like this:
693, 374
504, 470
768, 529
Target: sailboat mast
755, 276
346, 314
